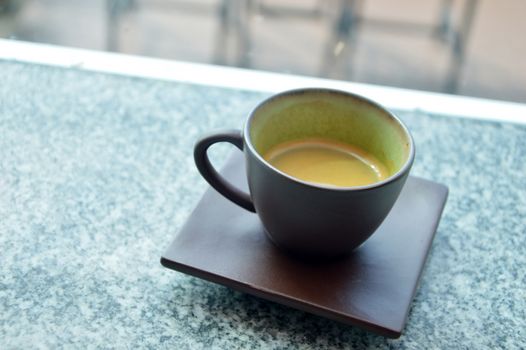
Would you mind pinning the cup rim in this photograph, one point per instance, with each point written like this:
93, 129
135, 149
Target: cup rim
401, 172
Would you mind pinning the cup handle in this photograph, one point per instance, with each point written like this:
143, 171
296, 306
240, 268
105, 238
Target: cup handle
216, 180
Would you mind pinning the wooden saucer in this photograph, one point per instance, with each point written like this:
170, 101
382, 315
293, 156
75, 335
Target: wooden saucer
372, 288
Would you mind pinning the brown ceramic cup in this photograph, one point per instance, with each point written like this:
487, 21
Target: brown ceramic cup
303, 218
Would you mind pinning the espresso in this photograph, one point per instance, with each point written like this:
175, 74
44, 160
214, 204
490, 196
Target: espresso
326, 162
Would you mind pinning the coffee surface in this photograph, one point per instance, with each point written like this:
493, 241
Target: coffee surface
326, 162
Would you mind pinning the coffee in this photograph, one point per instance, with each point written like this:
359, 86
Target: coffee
326, 162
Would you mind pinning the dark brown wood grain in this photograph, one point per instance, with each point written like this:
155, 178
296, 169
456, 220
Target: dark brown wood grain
371, 288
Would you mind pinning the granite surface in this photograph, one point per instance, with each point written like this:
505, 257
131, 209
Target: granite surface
96, 178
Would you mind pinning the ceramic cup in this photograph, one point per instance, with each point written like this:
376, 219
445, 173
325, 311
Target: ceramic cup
306, 219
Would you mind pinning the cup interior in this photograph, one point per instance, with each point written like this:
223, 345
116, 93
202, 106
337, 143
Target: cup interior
334, 115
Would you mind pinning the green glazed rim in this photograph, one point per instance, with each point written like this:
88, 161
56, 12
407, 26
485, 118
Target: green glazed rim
406, 135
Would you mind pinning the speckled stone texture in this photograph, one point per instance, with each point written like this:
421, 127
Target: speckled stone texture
97, 176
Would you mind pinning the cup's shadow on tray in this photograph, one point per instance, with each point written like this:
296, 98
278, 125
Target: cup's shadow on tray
371, 288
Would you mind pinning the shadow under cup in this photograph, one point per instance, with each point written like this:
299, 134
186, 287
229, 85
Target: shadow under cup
313, 220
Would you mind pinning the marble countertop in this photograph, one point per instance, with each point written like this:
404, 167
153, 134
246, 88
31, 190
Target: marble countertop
97, 176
